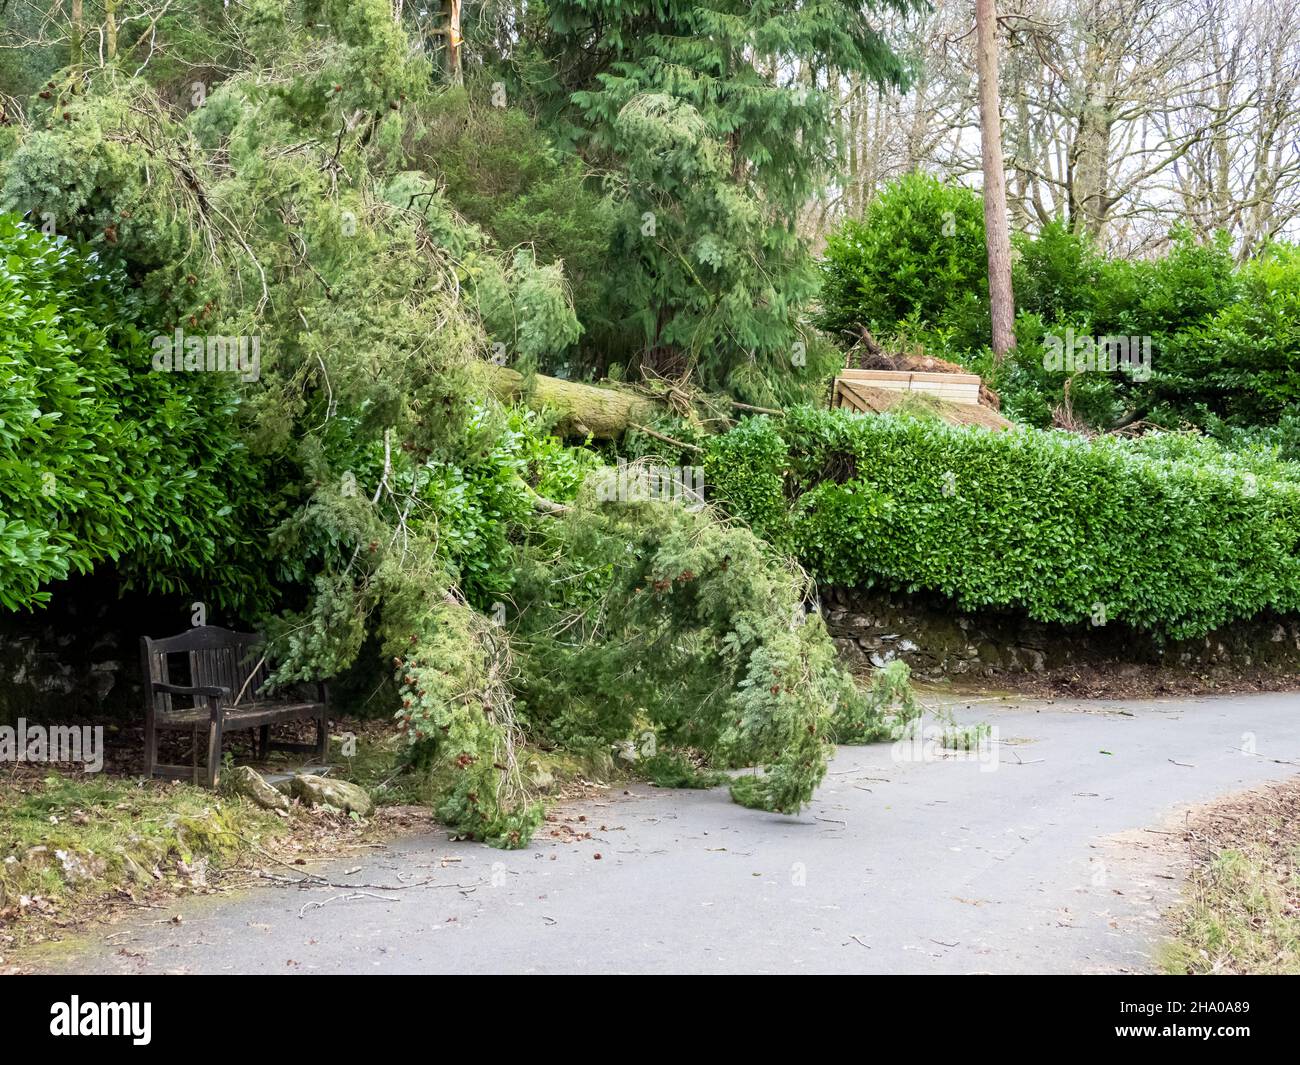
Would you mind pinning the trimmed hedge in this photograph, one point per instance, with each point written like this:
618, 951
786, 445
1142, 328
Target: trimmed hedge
1065, 528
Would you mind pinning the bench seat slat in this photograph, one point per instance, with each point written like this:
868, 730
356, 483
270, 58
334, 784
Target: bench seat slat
246, 715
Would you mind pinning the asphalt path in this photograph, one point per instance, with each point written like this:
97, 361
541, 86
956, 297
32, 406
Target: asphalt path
1049, 850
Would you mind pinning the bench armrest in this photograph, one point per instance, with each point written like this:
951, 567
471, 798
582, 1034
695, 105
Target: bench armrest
180, 689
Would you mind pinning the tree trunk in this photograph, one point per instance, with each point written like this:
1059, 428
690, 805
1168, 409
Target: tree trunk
605, 412
454, 40
74, 48
110, 30
997, 239
1090, 153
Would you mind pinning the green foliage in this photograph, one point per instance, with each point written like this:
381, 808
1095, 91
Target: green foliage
1057, 273
1241, 359
456, 712
528, 310
1224, 343
917, 255
1222, 336
102, 458
301, 201
672, 769
24, 69
74, 176
1173, 536
651, 615
1032, 394
712, 147
883, 712
747, 474
502, 173
481, 503
525, 306
1281, 441
363, 406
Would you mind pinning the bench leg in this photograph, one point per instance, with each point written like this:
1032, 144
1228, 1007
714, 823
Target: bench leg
323, 738
150, 749
214, 753
263, 742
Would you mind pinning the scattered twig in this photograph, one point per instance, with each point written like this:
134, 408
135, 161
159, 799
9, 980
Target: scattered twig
350, 896
320, 881
1253, 754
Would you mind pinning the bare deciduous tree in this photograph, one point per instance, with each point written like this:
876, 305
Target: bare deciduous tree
1121, 118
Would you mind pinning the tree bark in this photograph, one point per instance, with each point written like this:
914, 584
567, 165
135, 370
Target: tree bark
110, 30
603, 411
454, 40
997, 239
74, 47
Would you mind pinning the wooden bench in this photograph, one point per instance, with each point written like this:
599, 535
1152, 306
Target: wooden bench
224, 676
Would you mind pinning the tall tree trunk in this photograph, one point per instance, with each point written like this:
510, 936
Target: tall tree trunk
110, 30
454, 40
1090, 173
77, 31
997, 239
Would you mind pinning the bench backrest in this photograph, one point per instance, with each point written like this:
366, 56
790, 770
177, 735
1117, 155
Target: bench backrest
216, 656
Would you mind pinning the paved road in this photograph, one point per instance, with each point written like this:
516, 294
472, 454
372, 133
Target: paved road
916, 865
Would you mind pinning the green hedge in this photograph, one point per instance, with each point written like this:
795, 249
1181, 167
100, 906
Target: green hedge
1067, 529
100, 458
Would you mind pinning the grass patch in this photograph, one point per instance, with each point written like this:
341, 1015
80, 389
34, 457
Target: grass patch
69, 841
1241, 912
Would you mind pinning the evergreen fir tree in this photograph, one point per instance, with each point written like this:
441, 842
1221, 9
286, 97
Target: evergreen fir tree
715, 118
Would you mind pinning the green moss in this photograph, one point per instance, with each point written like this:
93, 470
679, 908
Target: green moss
67, 841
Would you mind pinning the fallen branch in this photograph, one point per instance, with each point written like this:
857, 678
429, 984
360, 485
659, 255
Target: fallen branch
602, 412
666, 439
757, 410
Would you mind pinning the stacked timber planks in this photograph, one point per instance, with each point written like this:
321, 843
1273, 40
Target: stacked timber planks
854, 394
953, 387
